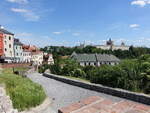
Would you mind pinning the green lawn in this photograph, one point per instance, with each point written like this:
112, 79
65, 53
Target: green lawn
23, 92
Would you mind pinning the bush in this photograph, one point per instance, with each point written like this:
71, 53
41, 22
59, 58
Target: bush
79, 73
43, 68
147, 88
88, 70
55, 69
106, 75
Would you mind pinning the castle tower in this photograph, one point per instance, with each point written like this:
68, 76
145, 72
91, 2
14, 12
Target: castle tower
110, 42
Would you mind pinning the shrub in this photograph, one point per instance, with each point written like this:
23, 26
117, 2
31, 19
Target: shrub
43, 68
79, 73
55, 69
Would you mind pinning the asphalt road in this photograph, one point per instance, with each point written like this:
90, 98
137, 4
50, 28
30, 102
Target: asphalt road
65, 94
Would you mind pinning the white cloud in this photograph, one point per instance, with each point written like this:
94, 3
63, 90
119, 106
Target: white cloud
29, 15
57, 33
19, 10
76, 34
18, 1
134, 26
24, 34
140, 3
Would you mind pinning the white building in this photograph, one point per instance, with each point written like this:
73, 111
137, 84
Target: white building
110, 46
37, 58
95, 59
50, 59
27, 56
18, 51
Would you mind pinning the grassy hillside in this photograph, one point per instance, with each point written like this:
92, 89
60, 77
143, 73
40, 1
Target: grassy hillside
22, 91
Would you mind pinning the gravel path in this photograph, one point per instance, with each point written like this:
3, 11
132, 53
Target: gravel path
65, 94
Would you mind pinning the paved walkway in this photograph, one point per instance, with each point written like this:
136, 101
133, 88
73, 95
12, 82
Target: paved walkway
65, 94
97, 104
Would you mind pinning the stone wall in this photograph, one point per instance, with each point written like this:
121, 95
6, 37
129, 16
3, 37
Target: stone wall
11, 65
138, 97
5, 102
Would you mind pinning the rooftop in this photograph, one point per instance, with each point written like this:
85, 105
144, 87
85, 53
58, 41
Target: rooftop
17, 42
5, 31
94, 57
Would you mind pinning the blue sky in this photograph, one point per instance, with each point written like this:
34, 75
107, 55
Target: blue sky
70, 22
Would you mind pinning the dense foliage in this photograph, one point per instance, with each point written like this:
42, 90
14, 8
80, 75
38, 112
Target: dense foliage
23, 92
134, 52
130, 74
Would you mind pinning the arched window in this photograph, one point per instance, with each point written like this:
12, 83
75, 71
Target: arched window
9, 38
9, 45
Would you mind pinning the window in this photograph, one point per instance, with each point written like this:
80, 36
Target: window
16, 47
11, 53
17, 54
5, 42
5, 49
9, 38
9, 45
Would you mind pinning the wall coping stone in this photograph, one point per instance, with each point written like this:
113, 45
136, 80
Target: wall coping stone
138, 97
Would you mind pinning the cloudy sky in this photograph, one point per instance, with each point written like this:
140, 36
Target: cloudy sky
69, 22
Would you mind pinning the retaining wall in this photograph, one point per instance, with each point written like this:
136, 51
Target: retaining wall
11, 65
138, 97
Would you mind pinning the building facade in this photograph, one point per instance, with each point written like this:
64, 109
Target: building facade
1, 45
110, 46
12, 50
95, 59
18, 51
26, 56
7, 46
48, 59
37, 58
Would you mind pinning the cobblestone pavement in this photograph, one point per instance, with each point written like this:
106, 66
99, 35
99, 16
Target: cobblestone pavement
65, 94
96, 104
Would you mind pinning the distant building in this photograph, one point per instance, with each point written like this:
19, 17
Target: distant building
7, 45
110, 46
81, 46
18, 51
26, 54
95, 59
37, 58
48, 59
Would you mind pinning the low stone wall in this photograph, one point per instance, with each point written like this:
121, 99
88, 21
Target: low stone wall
11, 65
5, 102
138, 97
